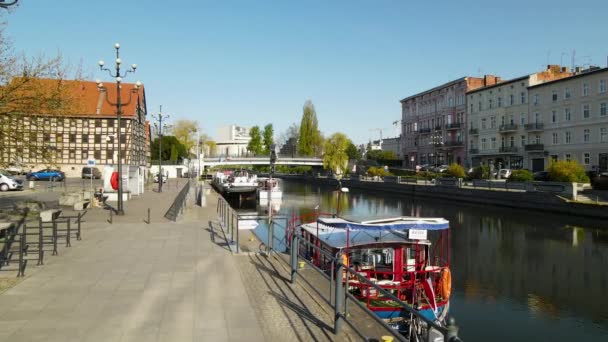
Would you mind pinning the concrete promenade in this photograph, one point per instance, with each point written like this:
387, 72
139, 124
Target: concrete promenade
164, 281
131, 281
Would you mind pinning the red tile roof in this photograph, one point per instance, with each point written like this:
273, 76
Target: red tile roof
85, 99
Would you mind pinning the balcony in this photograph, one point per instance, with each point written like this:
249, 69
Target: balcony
537, 126
474, 131
438, 128
474, 151
508, 149
453, 143
424, 130
535, 147
508, 128
455, 125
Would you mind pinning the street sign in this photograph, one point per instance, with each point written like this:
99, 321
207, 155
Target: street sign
91, 162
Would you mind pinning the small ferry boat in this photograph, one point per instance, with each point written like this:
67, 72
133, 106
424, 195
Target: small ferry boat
406, 256
241, 182
266, 186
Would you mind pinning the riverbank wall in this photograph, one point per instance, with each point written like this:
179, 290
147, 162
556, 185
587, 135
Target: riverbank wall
536, 201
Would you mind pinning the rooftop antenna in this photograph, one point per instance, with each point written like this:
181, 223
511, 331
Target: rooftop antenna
573, 58
548, 57
561, 58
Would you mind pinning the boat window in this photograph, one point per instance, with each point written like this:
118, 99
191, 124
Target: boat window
414, 256
379, 260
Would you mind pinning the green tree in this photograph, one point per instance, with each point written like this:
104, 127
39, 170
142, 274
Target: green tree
310, 140
381, 155
521, 176
268, 137
353, 152
567, 171
335, 157
170, 146
185, 132
255, 144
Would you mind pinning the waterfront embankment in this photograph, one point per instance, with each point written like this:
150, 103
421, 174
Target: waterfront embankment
529, 200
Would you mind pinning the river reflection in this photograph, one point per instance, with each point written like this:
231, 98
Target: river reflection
517, 275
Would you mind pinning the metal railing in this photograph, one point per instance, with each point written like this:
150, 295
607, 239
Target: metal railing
508, 127
179, 203
339, 277
537, 126
535, 147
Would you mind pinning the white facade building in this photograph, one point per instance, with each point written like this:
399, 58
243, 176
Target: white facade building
232, 141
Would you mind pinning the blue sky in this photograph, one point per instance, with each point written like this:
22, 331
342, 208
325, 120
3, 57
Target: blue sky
253, 62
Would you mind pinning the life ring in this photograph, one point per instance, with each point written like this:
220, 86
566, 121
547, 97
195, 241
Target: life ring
114, 180
445, 284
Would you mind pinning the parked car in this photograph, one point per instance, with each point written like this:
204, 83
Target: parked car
441, 168
504, 173
599, 180
46, 174
8, 182
91, 172
541, 176
425, 167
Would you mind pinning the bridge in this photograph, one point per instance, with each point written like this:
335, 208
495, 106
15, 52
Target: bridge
296, 161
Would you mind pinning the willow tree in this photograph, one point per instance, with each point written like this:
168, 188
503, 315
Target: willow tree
310, 139
255, 144
335, 157
185, 131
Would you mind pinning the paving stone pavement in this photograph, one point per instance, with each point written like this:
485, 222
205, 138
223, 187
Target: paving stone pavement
131, 281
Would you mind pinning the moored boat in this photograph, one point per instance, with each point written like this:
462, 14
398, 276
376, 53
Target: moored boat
406, 256
241, 182
268, 186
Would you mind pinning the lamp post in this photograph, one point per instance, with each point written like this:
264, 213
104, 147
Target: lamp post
159, 127
118, 77
3, 4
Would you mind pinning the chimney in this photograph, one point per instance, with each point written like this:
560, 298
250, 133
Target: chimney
564, 69
489, 80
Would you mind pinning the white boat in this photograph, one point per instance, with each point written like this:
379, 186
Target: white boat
268, 186
241, 182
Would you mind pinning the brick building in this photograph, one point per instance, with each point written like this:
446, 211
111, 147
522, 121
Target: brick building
434, 123
66, 140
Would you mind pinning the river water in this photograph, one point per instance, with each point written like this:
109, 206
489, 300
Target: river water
517, 275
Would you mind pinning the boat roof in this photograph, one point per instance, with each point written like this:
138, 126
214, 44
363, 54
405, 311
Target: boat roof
333, 231
394, 223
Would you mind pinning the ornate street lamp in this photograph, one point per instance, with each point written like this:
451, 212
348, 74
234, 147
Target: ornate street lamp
160, 127
4, 4
118, 76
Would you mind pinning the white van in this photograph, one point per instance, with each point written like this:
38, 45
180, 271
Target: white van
8, 182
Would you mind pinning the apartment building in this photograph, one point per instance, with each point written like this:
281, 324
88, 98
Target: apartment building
502, 131
571, 120
434, 123
68, 140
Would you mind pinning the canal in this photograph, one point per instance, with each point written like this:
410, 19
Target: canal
517, 275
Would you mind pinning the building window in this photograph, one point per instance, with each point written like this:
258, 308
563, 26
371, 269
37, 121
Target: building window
490, 103
85, 138
537, 139
110, 154
72, 154
567, 137
567, 93
484, 144
567, 114
85, 154
602, 86
493, 140
553, 116
73, 123
98, 138
603, 109
59, 138
554, 158
499, 102
535, 99
537, 117
73, 138
554, 96
522, 118
60, 122
479, 107
585, 111
511, 100
493, 122
483, 123
603, 134
586, 135
97, 154
110, 122
98, 123
523, 97
85, 123
585, 89
555, 140
471, 108
47, 137
123, 123
512, 141
586, 158
123, 139
523, 140
568, 157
